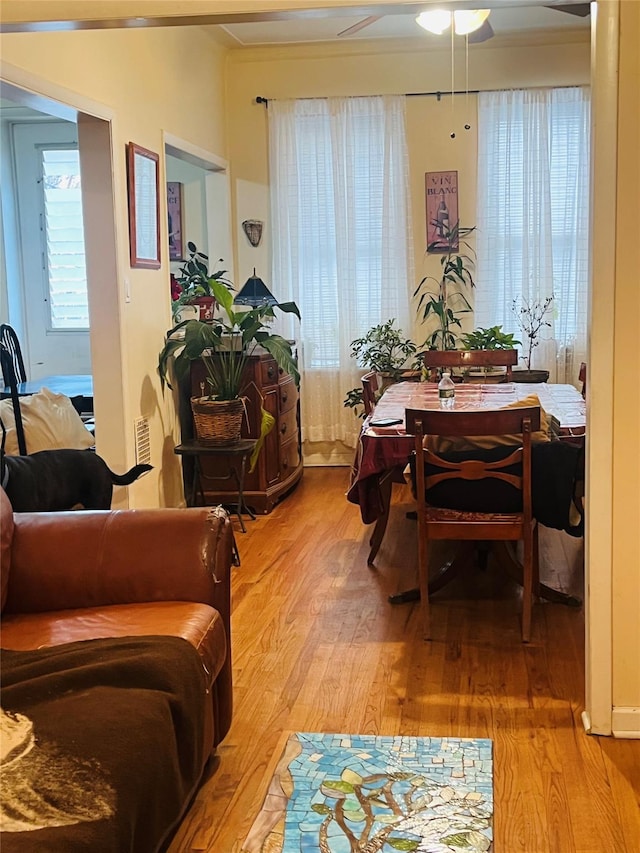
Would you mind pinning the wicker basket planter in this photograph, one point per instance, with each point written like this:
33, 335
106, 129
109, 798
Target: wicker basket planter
218, 422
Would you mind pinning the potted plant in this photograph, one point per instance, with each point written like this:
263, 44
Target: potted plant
193, 285
530, 317
489, 339
447, 301
492, 338
383, 349
223, 345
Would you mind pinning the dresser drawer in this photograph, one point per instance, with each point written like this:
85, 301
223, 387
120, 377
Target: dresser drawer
288, 425
288, 394
269, 372
289, 457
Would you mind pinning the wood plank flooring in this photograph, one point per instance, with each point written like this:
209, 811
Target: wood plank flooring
317, 647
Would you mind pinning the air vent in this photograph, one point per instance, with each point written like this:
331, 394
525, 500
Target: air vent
143, 442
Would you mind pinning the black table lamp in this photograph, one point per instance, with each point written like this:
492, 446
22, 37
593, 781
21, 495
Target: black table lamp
255, 293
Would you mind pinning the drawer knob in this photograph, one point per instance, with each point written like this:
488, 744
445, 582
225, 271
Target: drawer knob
285, 397
270, 372
283, 429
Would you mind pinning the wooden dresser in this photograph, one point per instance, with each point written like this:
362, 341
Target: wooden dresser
279, 465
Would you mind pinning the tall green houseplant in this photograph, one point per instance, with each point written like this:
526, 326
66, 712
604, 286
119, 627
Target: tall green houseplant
444, 299
224, 346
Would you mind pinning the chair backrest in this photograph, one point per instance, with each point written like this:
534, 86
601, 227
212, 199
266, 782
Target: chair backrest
582, 377
10, 342
436, 359
369, 390
6, 364
475, 466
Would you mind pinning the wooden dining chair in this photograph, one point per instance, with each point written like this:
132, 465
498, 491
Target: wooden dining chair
11, 343
435, 360
369, 392
10, 379
582, 377
451, 490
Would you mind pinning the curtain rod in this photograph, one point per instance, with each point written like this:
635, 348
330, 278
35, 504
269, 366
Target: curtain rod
438, 95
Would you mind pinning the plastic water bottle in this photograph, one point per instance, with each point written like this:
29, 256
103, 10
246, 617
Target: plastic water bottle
446, 392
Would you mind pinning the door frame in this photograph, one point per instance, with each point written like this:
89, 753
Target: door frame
105, 247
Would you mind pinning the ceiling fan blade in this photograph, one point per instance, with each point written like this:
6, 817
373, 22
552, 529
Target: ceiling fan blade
483, 33
580, 9
355, 28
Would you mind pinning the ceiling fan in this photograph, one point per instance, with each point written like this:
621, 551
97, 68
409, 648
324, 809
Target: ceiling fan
482, 32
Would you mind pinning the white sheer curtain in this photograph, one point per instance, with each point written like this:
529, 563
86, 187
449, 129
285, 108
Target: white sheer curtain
533, 217
341, 239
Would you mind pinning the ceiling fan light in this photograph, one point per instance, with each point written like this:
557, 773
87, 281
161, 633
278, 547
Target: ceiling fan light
435, 21
469, 20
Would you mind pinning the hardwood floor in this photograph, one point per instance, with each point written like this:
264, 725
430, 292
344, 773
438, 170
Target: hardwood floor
317, 647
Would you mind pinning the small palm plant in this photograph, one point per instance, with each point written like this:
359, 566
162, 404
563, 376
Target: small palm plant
446, 301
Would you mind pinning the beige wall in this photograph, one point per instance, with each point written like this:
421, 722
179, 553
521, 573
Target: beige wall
150, 81
399, 67
626, 382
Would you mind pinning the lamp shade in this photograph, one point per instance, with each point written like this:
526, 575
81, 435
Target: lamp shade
465, 20
436, 21
469, 20
255, 293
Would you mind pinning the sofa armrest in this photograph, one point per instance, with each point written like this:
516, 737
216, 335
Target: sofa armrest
68, 560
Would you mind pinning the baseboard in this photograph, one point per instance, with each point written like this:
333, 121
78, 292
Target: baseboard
625, 722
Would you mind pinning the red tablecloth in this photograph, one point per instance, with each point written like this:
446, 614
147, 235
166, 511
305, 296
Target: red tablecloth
383, 449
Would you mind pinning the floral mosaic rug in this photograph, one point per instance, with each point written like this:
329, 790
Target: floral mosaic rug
338, 793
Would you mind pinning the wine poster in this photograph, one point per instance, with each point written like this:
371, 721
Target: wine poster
441, 192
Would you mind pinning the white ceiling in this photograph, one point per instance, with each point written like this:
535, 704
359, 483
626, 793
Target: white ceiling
403, 25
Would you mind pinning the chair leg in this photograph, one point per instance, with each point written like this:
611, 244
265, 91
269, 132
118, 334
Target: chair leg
527, 584
423, 580
536, 564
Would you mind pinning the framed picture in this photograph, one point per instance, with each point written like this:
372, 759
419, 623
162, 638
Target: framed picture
174, 212
441, 194
144, 208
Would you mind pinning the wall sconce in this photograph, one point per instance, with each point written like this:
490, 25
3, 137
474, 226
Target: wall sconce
253, 229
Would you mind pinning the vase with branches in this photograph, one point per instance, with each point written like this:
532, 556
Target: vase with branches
444, 298
530, 316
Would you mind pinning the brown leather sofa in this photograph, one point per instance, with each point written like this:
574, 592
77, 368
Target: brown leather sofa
80, 576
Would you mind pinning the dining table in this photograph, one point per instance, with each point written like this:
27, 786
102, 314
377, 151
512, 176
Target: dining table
77, 386
384, 448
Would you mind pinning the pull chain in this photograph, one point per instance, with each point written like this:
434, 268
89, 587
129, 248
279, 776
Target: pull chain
466, 82
453, 88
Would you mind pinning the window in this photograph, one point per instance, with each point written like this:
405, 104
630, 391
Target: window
64, 254
341, 238
533, 216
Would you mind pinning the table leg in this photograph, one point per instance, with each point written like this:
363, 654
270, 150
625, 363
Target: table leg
241, 504
508, 563
386, 482
446, 573
196, 483
511, 565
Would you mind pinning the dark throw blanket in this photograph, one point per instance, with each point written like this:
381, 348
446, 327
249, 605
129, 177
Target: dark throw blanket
102, 744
